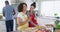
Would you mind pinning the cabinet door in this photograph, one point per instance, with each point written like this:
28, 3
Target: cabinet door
2, 26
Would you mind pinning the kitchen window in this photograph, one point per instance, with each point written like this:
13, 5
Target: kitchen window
50, 8
2, 4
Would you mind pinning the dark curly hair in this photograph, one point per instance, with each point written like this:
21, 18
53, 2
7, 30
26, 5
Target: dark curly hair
20, 7
33, 4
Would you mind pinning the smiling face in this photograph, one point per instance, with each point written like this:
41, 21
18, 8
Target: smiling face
24, 8
31, 8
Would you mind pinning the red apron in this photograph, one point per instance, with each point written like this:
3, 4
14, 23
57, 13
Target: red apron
33, 20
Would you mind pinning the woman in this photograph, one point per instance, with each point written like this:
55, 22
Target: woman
22, 19
31, 14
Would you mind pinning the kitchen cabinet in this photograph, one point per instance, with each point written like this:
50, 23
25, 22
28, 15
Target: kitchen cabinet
3, 26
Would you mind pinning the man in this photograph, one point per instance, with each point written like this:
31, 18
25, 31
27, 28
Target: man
8, 13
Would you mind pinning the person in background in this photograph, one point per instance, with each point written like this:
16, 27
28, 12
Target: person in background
22, 19
31, 14
8, 13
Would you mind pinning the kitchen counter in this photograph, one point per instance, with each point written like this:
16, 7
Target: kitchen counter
3, 19
46, 20
33, 29
41, 21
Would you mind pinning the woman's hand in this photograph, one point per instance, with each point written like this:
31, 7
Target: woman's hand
28, 19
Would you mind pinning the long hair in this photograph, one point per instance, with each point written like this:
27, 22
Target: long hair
20, 7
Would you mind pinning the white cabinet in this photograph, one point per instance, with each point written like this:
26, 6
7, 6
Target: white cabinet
2, 26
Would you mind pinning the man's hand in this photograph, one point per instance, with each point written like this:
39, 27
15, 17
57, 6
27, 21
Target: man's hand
14, 12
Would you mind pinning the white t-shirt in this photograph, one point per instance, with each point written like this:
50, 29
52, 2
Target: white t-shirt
22, 16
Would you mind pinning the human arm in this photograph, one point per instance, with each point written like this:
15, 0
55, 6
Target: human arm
19, 21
